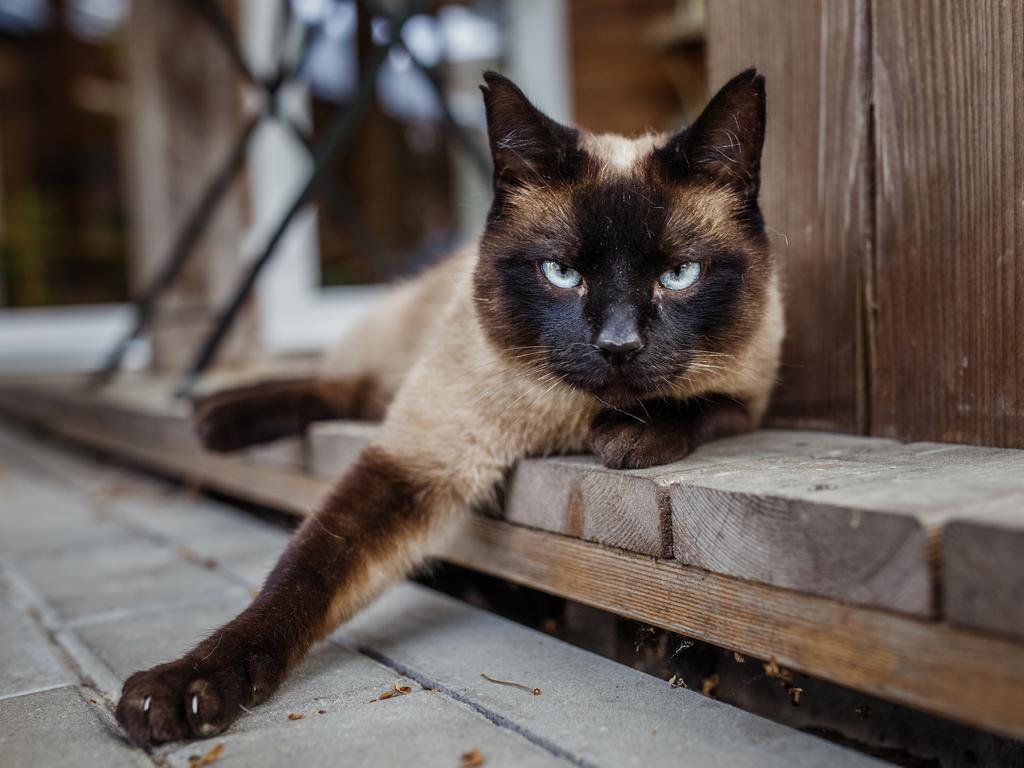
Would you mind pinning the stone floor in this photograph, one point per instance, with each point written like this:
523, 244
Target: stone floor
103, 571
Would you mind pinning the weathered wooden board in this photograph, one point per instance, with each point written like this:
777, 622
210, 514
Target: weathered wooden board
160, 438
334, 446
983, 567
957, 673
630, 510
858, 526
948, 309
814, 188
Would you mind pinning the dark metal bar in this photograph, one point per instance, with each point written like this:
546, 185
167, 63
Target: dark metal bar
211, 11
476, 153
195, 224
339, 134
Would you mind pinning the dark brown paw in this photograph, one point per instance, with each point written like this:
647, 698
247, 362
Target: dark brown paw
621, 441
224, 423
237, 418
192, 698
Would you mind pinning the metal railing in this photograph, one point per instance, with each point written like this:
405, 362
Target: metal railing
336, 140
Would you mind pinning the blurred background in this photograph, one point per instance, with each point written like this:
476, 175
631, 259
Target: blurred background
251, 172
116, 117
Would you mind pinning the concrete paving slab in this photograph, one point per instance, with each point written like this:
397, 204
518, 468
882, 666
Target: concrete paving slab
602, 712
331, 677
206, 527
422, 729
132, 573
27, 660
59, 728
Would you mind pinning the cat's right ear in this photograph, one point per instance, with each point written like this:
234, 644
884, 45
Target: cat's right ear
527, 146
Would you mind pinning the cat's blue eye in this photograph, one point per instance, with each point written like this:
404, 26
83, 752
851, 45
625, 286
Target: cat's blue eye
682, 277
560, 275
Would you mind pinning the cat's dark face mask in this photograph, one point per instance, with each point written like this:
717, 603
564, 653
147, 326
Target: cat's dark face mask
611, 262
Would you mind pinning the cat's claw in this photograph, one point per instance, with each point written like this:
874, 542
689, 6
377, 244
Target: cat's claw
190, 698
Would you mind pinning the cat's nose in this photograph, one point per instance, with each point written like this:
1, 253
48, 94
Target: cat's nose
618, 350
619, 339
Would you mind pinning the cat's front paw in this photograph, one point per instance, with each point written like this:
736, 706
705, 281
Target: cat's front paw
225, 422
192, 698
622, 441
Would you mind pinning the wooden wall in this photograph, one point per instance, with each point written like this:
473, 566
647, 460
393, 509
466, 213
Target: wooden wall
619, 84
894, 178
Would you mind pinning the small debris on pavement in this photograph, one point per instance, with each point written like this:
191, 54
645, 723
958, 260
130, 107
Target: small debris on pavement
321, 711
773, 670
194, 557
676, 681
399, 690
710, 685
520, 686
197, 761
295, 716
472, 759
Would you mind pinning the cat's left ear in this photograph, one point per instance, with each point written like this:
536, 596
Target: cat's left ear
725, 142
528, 147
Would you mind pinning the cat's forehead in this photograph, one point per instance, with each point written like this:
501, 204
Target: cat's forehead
613, 155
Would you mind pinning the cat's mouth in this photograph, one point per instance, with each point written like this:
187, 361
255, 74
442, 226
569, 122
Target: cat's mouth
614, 385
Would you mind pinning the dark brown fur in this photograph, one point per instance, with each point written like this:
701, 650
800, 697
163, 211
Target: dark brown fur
663, 431
270, 410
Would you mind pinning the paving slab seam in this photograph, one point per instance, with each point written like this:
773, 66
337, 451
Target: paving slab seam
71, 653
80, 662
497, 719
117, 614
33, 691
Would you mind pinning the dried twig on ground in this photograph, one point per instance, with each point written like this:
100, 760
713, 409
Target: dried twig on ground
520, 686
198, 761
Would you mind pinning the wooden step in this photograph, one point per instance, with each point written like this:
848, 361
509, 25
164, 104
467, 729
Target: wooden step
813, 506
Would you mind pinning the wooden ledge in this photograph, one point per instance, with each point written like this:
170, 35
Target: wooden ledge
813, 517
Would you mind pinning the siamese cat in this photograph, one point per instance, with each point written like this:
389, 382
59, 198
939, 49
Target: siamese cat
622, 298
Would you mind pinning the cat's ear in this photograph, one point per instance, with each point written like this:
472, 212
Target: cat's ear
527, 146
725, 142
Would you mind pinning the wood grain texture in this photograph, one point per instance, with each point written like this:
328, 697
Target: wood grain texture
956, 673
578, 497
854, 524
983, 567
948, 310
619, 85
814, 187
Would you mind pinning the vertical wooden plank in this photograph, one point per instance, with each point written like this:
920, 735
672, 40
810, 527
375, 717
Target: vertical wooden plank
948, 310
617, 81
814, 184
184, 115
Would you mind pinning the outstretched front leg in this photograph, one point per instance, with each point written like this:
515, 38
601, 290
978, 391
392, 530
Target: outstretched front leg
370, 531
662, 431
